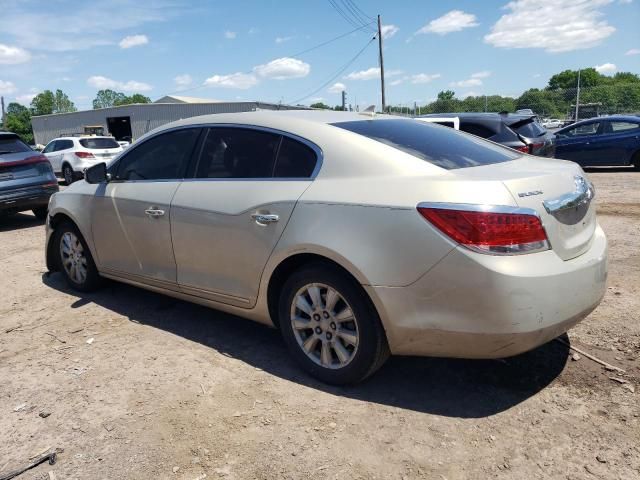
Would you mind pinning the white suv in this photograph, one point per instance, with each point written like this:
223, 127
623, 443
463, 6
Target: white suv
69, 156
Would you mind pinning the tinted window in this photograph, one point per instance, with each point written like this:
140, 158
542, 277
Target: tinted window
97, 143
582, 130
444, 147
12, 145
295, 160
237, 153
63, 145
476, 129
530, 129
161, 157
623, 126
49, 148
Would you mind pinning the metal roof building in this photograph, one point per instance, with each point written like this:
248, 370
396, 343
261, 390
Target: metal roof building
129, 122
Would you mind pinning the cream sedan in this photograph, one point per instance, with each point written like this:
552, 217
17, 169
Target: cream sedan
356, 235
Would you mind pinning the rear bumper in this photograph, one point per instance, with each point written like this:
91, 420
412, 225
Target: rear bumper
472, 305
22, 199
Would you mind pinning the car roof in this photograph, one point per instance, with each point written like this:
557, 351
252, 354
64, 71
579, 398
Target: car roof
610, 118
80, 137
9, 134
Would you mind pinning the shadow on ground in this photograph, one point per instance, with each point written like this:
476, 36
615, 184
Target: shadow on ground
630, 169
18, 221
456, 388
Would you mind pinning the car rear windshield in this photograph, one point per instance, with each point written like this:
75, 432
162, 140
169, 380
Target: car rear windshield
12, 145
529, 129
444, 147
98, 143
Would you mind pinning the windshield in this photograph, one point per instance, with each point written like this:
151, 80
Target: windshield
444, 147
99, 143
12, 145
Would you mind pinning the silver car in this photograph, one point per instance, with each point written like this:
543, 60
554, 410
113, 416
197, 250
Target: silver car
356, 235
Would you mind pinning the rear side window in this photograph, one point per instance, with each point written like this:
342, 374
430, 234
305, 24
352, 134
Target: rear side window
63, 145
530, 129
11, 144
477, 129
295, 160
623, 126
164, 156
99, 143
237, 153
443, 147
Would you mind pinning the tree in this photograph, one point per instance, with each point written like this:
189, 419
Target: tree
320, 105
47, 102
18, 121
589, 77
107, 98
446, 95
135, 98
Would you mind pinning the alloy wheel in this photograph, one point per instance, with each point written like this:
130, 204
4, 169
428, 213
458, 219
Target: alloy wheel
72, 255
324, 325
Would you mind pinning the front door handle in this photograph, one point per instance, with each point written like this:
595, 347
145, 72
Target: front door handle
154, 212
265, 218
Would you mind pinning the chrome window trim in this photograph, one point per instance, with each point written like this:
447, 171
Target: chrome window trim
523, 249
316, 149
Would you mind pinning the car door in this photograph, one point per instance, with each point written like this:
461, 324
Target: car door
577, 143
63, 148
130, 217
620, 139
53, 156
227, 220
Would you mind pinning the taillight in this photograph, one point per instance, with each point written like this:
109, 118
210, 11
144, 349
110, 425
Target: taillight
489, 229
523, 148
26, 161
83, 154
535, 146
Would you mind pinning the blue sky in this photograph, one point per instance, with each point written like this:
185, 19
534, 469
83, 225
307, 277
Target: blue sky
246, 50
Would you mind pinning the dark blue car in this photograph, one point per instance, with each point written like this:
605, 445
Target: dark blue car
613, 140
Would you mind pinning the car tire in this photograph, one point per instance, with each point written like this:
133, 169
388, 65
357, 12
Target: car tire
74, 259
636, 161
326, 311
68, 174
40, 213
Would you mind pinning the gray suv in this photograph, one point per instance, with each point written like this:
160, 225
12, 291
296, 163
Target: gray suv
26, 178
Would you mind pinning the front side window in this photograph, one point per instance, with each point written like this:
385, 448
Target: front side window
50, 146
237, 153
162, 157
443, 147
583, 130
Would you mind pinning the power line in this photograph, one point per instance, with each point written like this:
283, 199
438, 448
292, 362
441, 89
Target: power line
345, 12
355, 5
337, 74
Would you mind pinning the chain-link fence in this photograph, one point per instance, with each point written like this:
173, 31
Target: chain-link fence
546, 103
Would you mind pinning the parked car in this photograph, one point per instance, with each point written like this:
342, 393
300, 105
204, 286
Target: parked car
69, 156
553, 123
520, 132
26, 178
613, 140
356, 236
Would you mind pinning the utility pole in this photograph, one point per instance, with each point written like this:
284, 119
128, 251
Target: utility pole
384, 103
578, 96
2, 117
485, 103
344, 101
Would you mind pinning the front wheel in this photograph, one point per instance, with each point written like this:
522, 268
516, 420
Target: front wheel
330, 326
74, 258
40, 213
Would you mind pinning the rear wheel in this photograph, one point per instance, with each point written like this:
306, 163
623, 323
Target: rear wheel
40, 213
74, 258
68, 174
636, 160
330, 326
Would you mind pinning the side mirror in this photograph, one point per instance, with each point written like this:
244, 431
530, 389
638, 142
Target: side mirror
96, 173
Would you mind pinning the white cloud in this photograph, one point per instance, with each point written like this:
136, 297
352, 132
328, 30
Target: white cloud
633, 51
389, 31
237, 80
230, 35
625, 2
470, 82
559, 26
397, 82
424, 77
371, 73
253, 31
283, 39
453, 21
26, 98
101, 83
483, 74
133, 41
7, 87
283, 68
536, 75
183, 81
606, 68
337, 87
10, 55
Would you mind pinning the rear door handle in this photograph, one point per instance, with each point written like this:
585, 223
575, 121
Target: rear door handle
265, 218
154, 212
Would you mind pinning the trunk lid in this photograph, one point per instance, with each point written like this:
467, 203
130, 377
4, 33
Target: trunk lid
558, 191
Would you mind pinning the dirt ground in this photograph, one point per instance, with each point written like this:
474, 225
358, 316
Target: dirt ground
131, 384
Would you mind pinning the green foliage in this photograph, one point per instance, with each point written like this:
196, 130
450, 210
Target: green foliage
47, 102
110, 98
18, 120
321, 105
